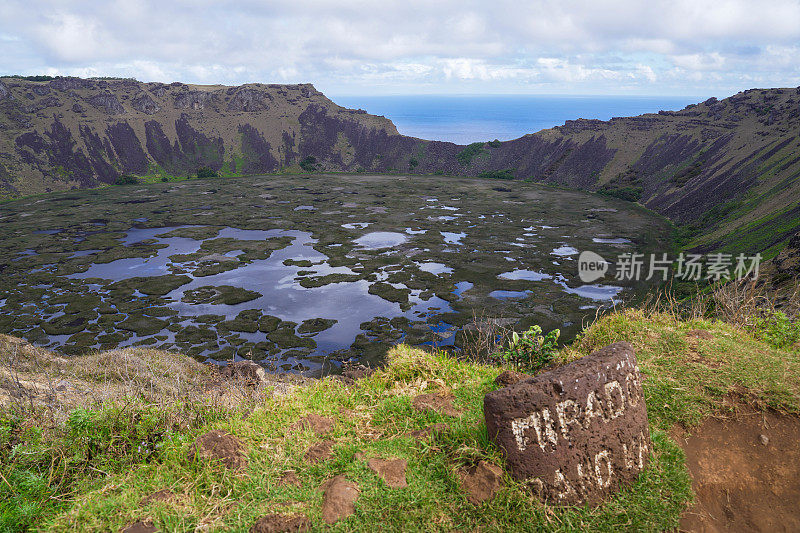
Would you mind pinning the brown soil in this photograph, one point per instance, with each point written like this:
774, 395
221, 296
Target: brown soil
481, 482
437, 402
391, 471
289, 479
219, 446
339, 499
275, 523
142, 526
745, 473
163, 495
322, 451
313, 422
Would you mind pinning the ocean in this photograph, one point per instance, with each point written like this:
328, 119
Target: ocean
466, 119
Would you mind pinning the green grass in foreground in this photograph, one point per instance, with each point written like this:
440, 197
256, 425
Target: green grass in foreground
52, 480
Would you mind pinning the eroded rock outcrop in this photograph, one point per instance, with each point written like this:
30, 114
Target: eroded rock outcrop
578, 433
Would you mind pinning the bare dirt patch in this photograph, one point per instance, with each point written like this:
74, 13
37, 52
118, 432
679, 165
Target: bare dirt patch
745, 473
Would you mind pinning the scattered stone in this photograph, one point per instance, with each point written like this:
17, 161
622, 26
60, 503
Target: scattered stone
320, 425
219, 446
428, 431
276, 523
163, 495
142, 526
289, 478
321, 451
577, 433
482, 482
391, 471
436, 402
339, 499
248, 371
763, 439
509, 377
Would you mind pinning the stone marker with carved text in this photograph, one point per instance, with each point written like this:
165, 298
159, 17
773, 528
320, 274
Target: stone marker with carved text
578, 432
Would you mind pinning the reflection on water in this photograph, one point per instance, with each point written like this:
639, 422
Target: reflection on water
527, 275
380, 239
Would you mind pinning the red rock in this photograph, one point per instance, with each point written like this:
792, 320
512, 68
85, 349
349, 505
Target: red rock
339, 499
391, 471
482, 482
577, 433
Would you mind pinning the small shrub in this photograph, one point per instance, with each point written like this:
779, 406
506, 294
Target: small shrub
127, 179
164, 179
466, 155
494, 144
777, 329
531, 351
412, 163
309, 163
631, 194
206, 172
506, 174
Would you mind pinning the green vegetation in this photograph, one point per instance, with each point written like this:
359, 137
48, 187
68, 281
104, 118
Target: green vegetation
127, 179
631, 194
206, 172
40, 77
686, 174
777, 329
469, 153
531, 351
625, 186
91, 471
507, 174
309, 164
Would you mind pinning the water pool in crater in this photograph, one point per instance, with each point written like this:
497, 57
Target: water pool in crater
226, 269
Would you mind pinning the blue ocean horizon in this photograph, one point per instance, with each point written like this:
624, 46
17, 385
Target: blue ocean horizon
466, 119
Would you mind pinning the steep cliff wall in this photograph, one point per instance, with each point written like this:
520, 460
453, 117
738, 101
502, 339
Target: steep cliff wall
726, 170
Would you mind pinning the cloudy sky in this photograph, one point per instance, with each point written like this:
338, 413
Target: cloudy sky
654, 47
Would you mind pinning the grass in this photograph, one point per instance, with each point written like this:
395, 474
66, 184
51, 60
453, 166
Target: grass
90, 469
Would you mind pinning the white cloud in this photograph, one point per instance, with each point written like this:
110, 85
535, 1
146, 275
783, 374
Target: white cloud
408, 45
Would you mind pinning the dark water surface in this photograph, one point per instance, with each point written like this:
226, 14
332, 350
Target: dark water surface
299, 272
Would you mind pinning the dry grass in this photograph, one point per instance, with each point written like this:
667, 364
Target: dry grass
36, 382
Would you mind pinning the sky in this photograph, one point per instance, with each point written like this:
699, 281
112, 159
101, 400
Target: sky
359, 47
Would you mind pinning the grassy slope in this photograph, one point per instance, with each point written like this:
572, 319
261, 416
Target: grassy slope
686, 378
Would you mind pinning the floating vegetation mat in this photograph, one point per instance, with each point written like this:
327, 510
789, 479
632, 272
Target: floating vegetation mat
302, 272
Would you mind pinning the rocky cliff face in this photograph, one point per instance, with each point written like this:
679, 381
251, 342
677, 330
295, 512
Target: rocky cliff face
72, 132
725, 169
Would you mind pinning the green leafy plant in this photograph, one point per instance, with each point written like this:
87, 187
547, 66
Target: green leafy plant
466, 155
506, 174
206, 172
531, 350
127, 179
309, 163
777, 329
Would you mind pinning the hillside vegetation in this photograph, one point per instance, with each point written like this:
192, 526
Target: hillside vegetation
78, 462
